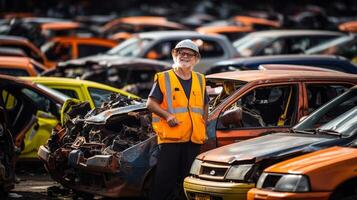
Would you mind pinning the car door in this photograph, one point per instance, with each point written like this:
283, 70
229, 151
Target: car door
259, 110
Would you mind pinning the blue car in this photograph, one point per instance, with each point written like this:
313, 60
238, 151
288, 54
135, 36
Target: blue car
324, 61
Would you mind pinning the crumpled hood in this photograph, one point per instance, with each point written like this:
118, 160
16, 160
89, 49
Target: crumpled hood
102, 117
264, 146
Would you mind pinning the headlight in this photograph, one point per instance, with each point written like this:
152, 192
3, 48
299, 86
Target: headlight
292, 183
284, 182
237, 172
195, 167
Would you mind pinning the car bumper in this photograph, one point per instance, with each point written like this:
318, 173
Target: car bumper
258, 194
215, 190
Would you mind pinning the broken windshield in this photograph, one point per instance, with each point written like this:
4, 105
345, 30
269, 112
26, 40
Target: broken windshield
130, 48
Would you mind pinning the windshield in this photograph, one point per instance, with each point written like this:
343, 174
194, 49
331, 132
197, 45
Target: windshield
332, 110
345, 124
247, 46
60, 95
328, 44
130, 48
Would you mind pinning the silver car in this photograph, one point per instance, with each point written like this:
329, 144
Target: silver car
158, 46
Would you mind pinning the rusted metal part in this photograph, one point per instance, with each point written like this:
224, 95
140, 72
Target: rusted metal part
108, 151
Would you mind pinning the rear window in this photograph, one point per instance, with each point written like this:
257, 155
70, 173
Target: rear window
89, 49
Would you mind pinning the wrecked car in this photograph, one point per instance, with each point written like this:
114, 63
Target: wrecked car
247, 104
7, 156
108, 151
325, 174
32, 110
229, 172
133, 75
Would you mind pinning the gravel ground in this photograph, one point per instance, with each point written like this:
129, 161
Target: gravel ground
35, 184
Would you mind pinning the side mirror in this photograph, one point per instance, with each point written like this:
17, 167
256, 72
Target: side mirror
231, 118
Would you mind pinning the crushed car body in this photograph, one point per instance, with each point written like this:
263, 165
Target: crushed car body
108, 151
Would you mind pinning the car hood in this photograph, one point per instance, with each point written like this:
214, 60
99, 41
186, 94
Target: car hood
314, 161
259, 148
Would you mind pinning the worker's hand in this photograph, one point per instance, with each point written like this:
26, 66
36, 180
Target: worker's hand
172, 121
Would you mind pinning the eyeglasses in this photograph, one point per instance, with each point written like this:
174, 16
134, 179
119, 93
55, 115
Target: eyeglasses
183, 54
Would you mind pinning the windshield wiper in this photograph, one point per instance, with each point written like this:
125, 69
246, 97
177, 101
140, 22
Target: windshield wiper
328, 132
304, 131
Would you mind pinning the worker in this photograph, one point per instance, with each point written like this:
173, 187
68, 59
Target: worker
179, 103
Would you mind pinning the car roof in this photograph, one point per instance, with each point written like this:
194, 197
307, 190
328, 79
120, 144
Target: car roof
271, 75
14, 38
12, 61
286, 33
257, 59
74, 82
176, 34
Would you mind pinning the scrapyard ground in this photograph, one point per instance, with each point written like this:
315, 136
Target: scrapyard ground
36, 184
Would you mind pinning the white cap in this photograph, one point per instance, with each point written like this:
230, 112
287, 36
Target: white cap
187, 44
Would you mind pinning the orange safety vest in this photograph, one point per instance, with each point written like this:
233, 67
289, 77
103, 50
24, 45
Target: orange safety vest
189, 112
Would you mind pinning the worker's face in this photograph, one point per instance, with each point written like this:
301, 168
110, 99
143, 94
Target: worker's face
185, 58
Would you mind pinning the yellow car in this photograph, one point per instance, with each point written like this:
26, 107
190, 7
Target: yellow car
94, 93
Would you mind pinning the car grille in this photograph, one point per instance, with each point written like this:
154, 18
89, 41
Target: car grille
213, 171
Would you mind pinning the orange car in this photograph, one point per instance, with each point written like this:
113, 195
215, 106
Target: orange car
140, 24
66, 48
328, 174
256, 22
26, 46
348, 27
232, 32
20, 66
65, 28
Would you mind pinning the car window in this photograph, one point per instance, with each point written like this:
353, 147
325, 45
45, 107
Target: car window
89, 49
271, 106
68, 92
56, 51
42, 102
275, 48
131, 47
14, 72
99, 95
161, 51
210, 49
319, 94
249, 46
330, 111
